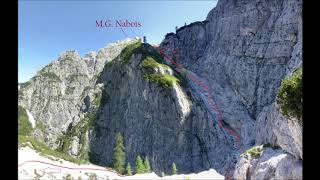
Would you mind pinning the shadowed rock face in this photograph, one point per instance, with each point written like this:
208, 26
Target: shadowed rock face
164, 124
241, 51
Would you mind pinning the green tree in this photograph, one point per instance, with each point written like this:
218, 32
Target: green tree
139, 165
129, 171
290, 95
119, 157
147, 168
174, 168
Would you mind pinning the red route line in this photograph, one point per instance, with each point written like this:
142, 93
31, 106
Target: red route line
96, 169
211, 102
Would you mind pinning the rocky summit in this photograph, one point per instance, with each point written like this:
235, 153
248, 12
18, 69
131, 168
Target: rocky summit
239, 55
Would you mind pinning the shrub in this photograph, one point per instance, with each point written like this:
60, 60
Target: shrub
78, 130
165, 80
163, 174
24, 126
290, 95
150, 63
140, 48
127, 52
255, 151
25, 84
49, 75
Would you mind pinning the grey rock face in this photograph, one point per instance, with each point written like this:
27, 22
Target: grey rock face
55, 96
273, 164
272, 127
75, 146
243, 50
163, 124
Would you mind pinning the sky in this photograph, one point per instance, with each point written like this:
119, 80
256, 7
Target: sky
48, 28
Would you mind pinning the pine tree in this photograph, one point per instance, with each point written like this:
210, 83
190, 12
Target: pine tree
129, 171
147, 168
174, 168
119, 156
139, 165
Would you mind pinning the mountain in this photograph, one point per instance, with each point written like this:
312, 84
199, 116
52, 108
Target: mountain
214, 108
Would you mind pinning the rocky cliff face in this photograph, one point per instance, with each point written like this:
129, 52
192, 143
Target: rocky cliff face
166, 124
241, 52
244, 49
56, 95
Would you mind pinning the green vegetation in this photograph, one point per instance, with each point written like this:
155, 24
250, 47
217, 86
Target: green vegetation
255, 151
119, 156
290, 95
150, 63
24, 126
79, 130
129, 171
150, 60
127, 52
174, 168
43, 149
163, 174
140, 48
40, 125
165, 80
49, 75
101, 98
139, 165
25, 84
146, 164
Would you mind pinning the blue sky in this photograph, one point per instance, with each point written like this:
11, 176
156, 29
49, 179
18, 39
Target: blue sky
47, 28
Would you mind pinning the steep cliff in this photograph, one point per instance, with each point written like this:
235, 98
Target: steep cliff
243, 50
162, 122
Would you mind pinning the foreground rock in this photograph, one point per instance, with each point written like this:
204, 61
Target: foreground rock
273, 164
